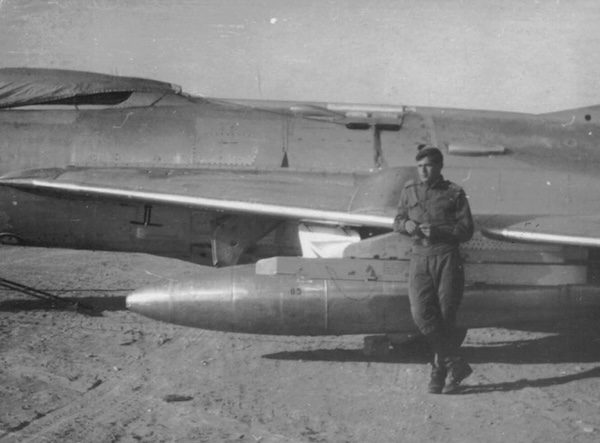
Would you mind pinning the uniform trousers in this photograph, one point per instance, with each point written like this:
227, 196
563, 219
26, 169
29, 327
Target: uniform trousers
436, 286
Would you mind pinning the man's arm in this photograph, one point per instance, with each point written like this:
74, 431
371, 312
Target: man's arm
464, 228
401, 214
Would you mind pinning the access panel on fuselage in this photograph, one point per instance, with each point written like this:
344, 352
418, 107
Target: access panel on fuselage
35, 139
313, 144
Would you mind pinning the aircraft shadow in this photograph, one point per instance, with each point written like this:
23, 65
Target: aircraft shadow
412, 353
575, 345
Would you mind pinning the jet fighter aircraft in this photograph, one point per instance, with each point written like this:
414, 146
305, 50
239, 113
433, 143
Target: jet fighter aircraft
296, 200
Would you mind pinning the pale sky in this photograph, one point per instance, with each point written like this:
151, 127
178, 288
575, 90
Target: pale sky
518, 55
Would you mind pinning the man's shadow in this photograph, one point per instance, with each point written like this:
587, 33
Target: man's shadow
522, 384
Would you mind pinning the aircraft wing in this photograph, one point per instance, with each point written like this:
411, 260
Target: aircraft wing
564, 230
329, 198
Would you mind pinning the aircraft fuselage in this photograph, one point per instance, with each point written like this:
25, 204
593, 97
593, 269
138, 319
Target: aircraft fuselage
516, 165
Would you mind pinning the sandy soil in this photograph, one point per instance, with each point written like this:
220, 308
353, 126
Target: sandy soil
117, 377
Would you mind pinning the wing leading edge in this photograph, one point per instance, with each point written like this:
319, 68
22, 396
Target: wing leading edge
569, 230
309, 197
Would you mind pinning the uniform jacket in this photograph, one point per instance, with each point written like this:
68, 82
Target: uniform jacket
444, 206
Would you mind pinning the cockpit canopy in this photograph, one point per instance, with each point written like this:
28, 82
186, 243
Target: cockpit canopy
26, 87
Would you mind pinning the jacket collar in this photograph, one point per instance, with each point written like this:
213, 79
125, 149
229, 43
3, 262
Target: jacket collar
435, 184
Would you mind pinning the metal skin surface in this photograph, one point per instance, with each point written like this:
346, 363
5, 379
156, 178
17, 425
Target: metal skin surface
235, 299
155, 173
228, 181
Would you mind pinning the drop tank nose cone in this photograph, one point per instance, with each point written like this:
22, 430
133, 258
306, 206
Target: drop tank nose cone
201, 301
151, 301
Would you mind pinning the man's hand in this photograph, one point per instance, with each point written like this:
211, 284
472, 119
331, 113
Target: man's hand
411, 227
425, 229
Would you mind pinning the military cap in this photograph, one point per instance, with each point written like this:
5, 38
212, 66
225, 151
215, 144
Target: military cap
430, 151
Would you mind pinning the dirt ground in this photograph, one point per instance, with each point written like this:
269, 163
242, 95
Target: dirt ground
117, 377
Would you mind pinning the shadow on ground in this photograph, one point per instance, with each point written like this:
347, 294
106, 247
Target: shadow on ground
573, 343
91, 305
524, 383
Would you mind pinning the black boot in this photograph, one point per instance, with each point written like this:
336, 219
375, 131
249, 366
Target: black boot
438, 378
437, 343
458, 370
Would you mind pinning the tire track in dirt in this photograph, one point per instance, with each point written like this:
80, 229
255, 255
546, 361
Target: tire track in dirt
124, 406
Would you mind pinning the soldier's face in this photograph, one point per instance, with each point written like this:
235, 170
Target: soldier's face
428, 171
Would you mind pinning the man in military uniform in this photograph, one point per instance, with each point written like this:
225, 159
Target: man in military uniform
435, 213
